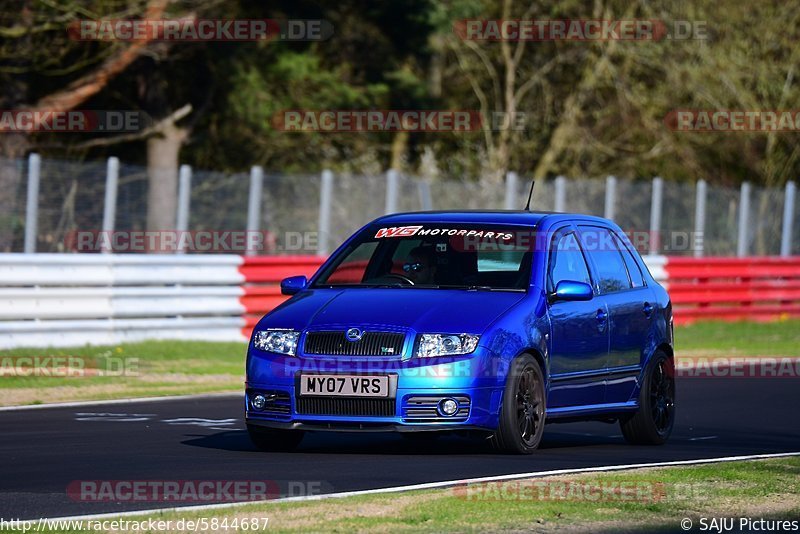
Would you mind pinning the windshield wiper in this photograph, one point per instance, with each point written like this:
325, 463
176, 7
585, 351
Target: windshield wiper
490, 288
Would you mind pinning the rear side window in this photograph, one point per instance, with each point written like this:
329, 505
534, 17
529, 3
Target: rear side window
637, 280
604, 248
567, 261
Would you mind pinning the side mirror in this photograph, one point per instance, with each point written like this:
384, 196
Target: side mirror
568, 290
293, 284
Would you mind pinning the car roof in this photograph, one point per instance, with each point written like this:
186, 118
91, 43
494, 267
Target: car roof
512, 217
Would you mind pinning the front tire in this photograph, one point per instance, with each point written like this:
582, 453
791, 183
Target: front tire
274, 440
652, 424
522, 414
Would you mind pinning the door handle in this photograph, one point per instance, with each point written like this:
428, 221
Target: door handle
647, 308
602, 319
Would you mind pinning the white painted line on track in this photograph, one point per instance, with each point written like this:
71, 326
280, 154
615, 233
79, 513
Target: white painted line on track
79, 404
432, 485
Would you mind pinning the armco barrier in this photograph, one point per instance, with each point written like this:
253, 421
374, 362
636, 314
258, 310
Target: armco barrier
760, 288
74, 299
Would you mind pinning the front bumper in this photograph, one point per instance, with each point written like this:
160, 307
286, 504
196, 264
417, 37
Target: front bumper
339, 426
475, 381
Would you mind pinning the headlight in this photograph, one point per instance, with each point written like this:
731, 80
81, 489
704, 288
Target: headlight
445, 344
280, 341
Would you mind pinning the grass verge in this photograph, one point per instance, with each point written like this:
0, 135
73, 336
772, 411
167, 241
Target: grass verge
147, 369
715, 338
662, 497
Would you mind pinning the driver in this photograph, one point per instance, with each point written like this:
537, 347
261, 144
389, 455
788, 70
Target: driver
420, 266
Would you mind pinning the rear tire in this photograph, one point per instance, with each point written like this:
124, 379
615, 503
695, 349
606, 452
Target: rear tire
274, 440
522, 413
652, 424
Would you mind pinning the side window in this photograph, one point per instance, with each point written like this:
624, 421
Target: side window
604, 248
567, 262
637, 280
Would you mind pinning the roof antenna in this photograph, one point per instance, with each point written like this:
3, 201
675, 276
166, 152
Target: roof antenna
530, 195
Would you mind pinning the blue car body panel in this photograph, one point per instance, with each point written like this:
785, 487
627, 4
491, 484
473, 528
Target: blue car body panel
593, 353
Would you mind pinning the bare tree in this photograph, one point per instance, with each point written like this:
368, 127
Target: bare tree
503, 76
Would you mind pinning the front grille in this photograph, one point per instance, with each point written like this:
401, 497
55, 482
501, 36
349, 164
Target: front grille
346, 406
370, 344
425, 409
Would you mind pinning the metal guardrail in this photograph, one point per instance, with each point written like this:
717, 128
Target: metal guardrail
763, 288
68, 300
71, 300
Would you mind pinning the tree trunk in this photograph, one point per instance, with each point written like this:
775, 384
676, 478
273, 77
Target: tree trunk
436, 72
12, 147
399, 149
162, 177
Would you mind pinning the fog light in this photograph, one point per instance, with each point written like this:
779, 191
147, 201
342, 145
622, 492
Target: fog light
258, 402
448, 406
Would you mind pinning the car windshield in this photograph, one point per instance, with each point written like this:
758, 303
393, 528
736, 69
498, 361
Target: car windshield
464, 256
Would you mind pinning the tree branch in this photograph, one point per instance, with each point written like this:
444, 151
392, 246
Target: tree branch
92, 83
156, 128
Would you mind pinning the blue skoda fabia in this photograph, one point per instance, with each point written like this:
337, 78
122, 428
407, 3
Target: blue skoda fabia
488, 322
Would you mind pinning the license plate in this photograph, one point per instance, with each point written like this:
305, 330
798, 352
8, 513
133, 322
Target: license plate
344, 386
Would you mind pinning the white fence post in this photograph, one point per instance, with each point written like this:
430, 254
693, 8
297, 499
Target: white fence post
32, 206
184, 199
425, 199
325, 199
254, 204
742, 244
788, 216
700, 218
110, 204
655, 214
392, 187
611, 197
561, 194
511, 190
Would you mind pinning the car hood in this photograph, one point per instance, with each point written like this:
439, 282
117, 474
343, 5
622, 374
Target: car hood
421, 310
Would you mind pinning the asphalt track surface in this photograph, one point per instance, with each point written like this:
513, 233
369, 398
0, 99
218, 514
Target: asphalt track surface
43, 450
